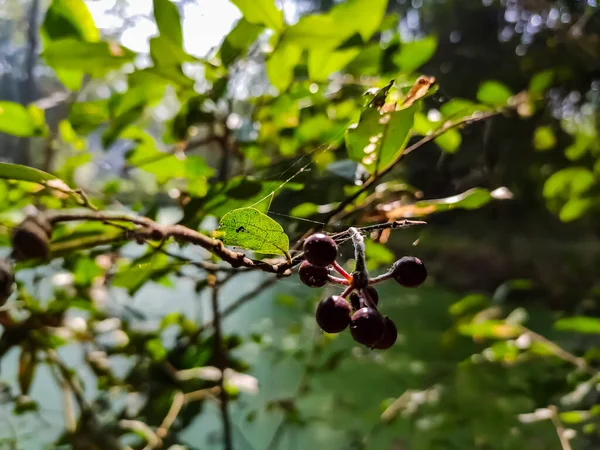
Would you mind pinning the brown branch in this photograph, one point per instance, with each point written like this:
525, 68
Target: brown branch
560, 429
221, 360
424, 140
151, 230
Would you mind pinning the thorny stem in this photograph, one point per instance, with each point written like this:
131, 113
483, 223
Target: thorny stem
221, 357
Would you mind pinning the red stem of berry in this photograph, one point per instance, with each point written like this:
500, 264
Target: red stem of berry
337, 280
342, 272
347, 292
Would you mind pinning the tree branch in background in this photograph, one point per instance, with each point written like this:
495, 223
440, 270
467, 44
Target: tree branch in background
560, 429
221, 360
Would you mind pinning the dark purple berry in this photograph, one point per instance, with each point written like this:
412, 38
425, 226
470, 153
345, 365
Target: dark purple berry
6, 281
390, 334
373, 294
409, 271
30, 240
333, 314
313, 276
367, 326
356, 301
320, 250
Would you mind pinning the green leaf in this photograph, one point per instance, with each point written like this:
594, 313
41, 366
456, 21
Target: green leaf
574, 416
86, 117
85, 271
27, 366
237, 42
23, 173
468, 303
69, 19
378, 255
544, 138
569, 182
15, 119
459, 107
378, 139
317, 31
250, 229
98, 58
579, 324
472, 199
449, 141
306, 209
168, 21
579, 147
362, 16
540, 82
281, 63
156, 349
493, 93
490, 329
574, 209
322, 63
261, 12
414, 54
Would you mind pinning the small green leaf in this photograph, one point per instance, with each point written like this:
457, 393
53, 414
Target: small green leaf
493, 93
490, 329
579, 324
574, 209
574, 416
378, 139
414, 54
579, 147
261, 12
156, 349
318, 31
540, 82
250, 229
544, 138
304, 210
168, 21
468, 303
69, 19
24, 173
459, 107
569, 182
237, 42
15, 119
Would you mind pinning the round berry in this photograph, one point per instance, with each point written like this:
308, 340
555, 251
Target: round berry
409, 271
367, 326
333, 314
313, 276
320, 250
373, 294
30, 240
6, 281
390, 334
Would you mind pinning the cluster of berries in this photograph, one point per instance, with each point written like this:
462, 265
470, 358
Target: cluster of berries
357, 306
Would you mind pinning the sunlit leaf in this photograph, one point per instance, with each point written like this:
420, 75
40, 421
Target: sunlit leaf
15, 119
544, 138
574, 416
281, 63
378, 139
468, 303
574, 209
322, 63
237, 42
362, 16
579, 324
414, 54
168, 21
98, 58
579, 147
250, 229
261, 12
569, 182
24, 173
490, 329
493, 93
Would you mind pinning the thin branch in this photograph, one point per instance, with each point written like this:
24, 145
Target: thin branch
221, 359
151, 230
68, 406
560, 429
560, 352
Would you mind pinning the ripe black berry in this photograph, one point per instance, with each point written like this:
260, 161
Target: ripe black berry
390, 334
333, 314
313, 276
367, 326
320, 250
373, 294
409, 271
6, 281
30, 240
